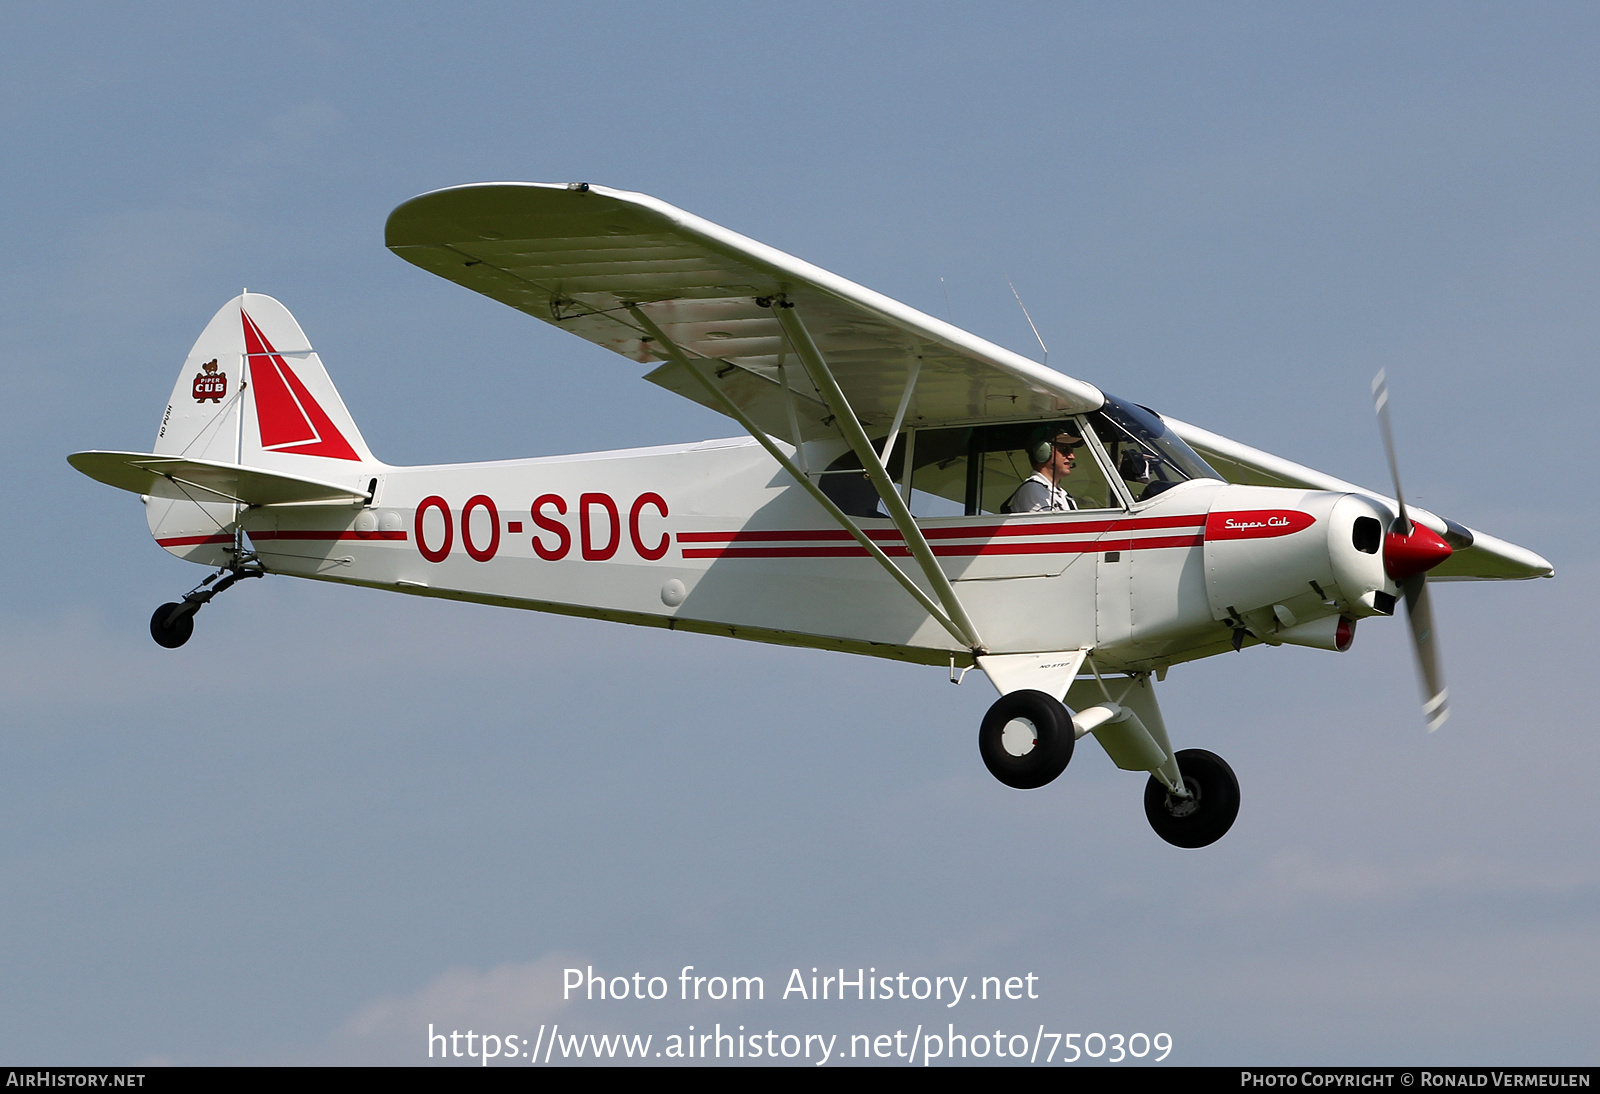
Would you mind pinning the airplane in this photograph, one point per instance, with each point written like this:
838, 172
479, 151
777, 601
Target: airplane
904, 489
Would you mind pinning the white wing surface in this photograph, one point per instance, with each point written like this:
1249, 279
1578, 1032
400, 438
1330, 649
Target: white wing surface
1487, 557
578, 256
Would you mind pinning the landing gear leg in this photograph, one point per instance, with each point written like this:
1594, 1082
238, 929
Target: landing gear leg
1207, 813
173, 623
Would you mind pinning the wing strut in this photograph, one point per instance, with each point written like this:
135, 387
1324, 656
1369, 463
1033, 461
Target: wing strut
733, 411
850, 427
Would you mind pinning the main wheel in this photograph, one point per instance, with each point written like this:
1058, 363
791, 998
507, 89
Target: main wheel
174, 635
1026, 739
1206, 817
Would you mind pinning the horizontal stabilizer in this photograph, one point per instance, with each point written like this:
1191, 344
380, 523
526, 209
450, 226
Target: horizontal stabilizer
206, 480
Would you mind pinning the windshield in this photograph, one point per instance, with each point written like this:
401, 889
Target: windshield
1148, 456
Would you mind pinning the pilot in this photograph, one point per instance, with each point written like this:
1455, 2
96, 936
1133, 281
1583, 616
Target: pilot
1050, 452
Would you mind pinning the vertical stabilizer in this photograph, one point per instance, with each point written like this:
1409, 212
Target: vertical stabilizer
252, 391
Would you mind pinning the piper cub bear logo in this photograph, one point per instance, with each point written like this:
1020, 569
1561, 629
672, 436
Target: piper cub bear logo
209, 383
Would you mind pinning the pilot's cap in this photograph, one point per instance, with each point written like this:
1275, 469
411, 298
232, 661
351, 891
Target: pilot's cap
1042, 439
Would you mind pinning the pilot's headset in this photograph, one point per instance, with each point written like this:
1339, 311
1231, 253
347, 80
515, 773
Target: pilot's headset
1043, 439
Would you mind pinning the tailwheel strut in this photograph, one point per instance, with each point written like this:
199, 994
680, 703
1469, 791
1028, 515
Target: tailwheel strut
172, 624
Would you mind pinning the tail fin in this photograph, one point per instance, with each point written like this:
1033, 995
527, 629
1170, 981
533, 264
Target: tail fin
253, 392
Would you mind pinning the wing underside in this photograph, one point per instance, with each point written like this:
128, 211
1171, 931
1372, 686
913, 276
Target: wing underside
579, 258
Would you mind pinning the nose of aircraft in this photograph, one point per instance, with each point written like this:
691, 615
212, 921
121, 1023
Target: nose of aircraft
1417, 552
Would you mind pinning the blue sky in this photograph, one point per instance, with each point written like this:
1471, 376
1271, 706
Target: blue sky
337, 816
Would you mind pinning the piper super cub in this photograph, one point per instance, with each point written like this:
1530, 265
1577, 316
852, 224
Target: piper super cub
907, 490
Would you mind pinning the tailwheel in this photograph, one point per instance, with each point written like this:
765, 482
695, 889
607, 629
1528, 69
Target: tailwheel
1206, 815
1026, 739
172, 624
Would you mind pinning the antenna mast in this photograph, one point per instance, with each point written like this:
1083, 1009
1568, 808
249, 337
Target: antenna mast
1029, 318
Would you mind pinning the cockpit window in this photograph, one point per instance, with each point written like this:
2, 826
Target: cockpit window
1148, 456
851, 490
973, 471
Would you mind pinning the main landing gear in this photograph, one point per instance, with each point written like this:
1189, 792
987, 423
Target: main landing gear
1207, 813
1027, 738
172, 624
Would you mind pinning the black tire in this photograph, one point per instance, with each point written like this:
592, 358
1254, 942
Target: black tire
171, 636
1216, 801
1051, 748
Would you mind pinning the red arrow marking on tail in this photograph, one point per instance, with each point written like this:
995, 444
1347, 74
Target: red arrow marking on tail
289, 418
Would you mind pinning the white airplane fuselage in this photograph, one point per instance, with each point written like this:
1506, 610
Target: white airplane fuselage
715, 537
885, 533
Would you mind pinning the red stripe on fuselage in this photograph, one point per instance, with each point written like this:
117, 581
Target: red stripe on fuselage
953, 550
328, 535
980, 531
191, 541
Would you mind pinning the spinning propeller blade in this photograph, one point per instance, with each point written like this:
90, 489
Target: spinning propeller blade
1380, 397
1419, 613
1410, 550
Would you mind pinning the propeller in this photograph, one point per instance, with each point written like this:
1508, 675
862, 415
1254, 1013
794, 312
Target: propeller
1410, 550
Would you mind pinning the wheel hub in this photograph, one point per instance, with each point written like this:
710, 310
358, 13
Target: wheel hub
1185, 807
1019, 737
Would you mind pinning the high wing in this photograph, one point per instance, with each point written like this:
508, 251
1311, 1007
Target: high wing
1477, 556
579, 256
608, 265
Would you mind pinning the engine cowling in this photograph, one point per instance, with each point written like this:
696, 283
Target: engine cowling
1286, 565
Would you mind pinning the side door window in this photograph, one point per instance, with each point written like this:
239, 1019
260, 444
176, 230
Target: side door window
973, 470
976, 470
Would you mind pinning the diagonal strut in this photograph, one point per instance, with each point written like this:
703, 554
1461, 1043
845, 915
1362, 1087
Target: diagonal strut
856, 437
732, 409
